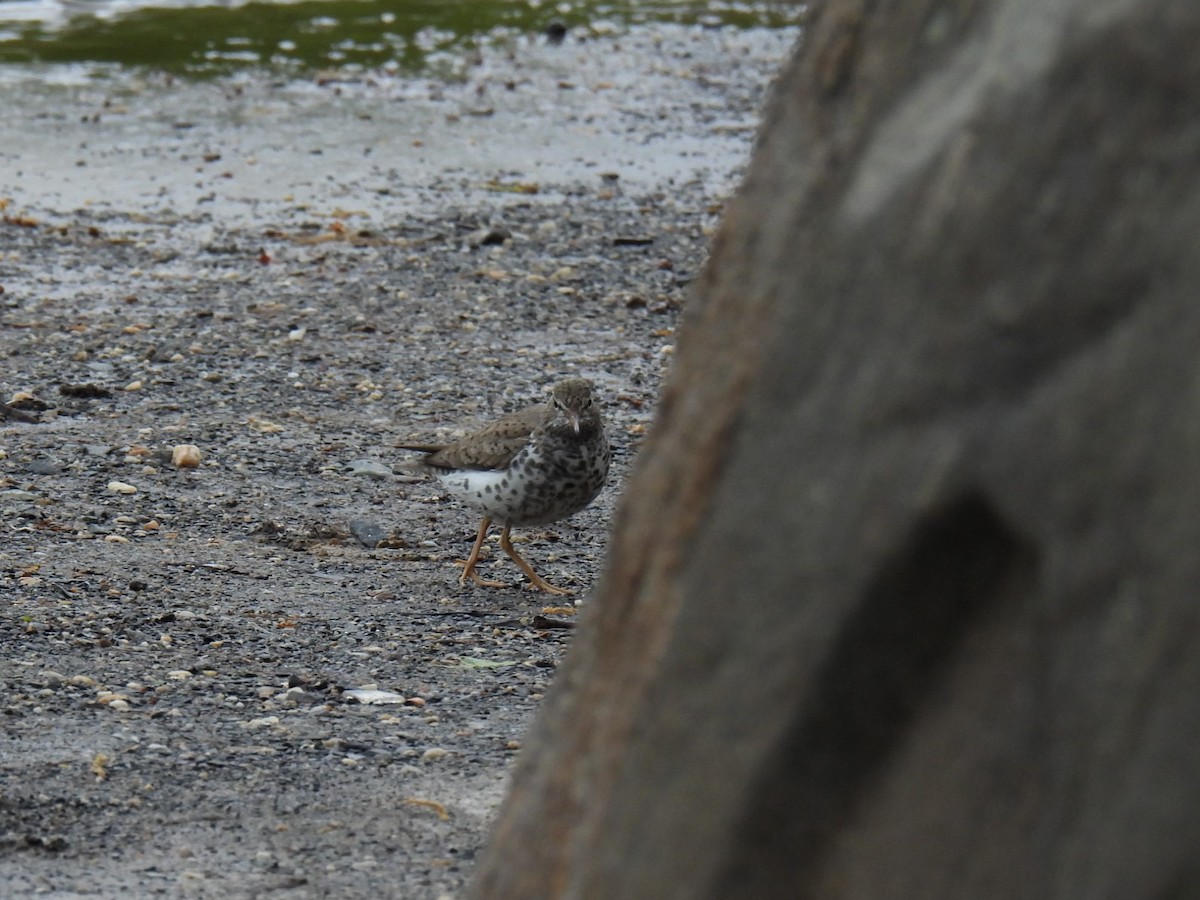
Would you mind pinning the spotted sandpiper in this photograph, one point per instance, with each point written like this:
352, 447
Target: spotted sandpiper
531, 467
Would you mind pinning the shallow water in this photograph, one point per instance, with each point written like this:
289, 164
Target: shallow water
202, 37
650, 111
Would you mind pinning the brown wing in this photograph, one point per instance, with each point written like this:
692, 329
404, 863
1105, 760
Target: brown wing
491, 447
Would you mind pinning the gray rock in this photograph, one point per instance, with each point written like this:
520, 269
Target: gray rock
18, 496
43, 467
371, 468
367, 533
902, 600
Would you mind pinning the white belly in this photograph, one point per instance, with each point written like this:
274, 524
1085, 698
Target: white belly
490, 492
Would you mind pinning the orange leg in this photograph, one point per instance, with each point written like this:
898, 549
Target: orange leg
468, 564
537, 580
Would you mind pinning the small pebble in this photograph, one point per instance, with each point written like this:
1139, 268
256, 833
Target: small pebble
433, 754
371, 695
264, 425
484, 237
120, 487
186, 456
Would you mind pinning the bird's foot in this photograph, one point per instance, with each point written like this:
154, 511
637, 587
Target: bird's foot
468, 571
541, 584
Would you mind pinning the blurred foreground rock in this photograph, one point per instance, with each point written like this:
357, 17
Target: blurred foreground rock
903, 594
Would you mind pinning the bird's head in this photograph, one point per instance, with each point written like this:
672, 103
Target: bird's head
575, 410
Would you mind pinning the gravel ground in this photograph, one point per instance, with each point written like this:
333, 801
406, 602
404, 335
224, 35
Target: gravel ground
293, 277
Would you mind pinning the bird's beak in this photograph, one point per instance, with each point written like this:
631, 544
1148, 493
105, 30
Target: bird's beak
574, 417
